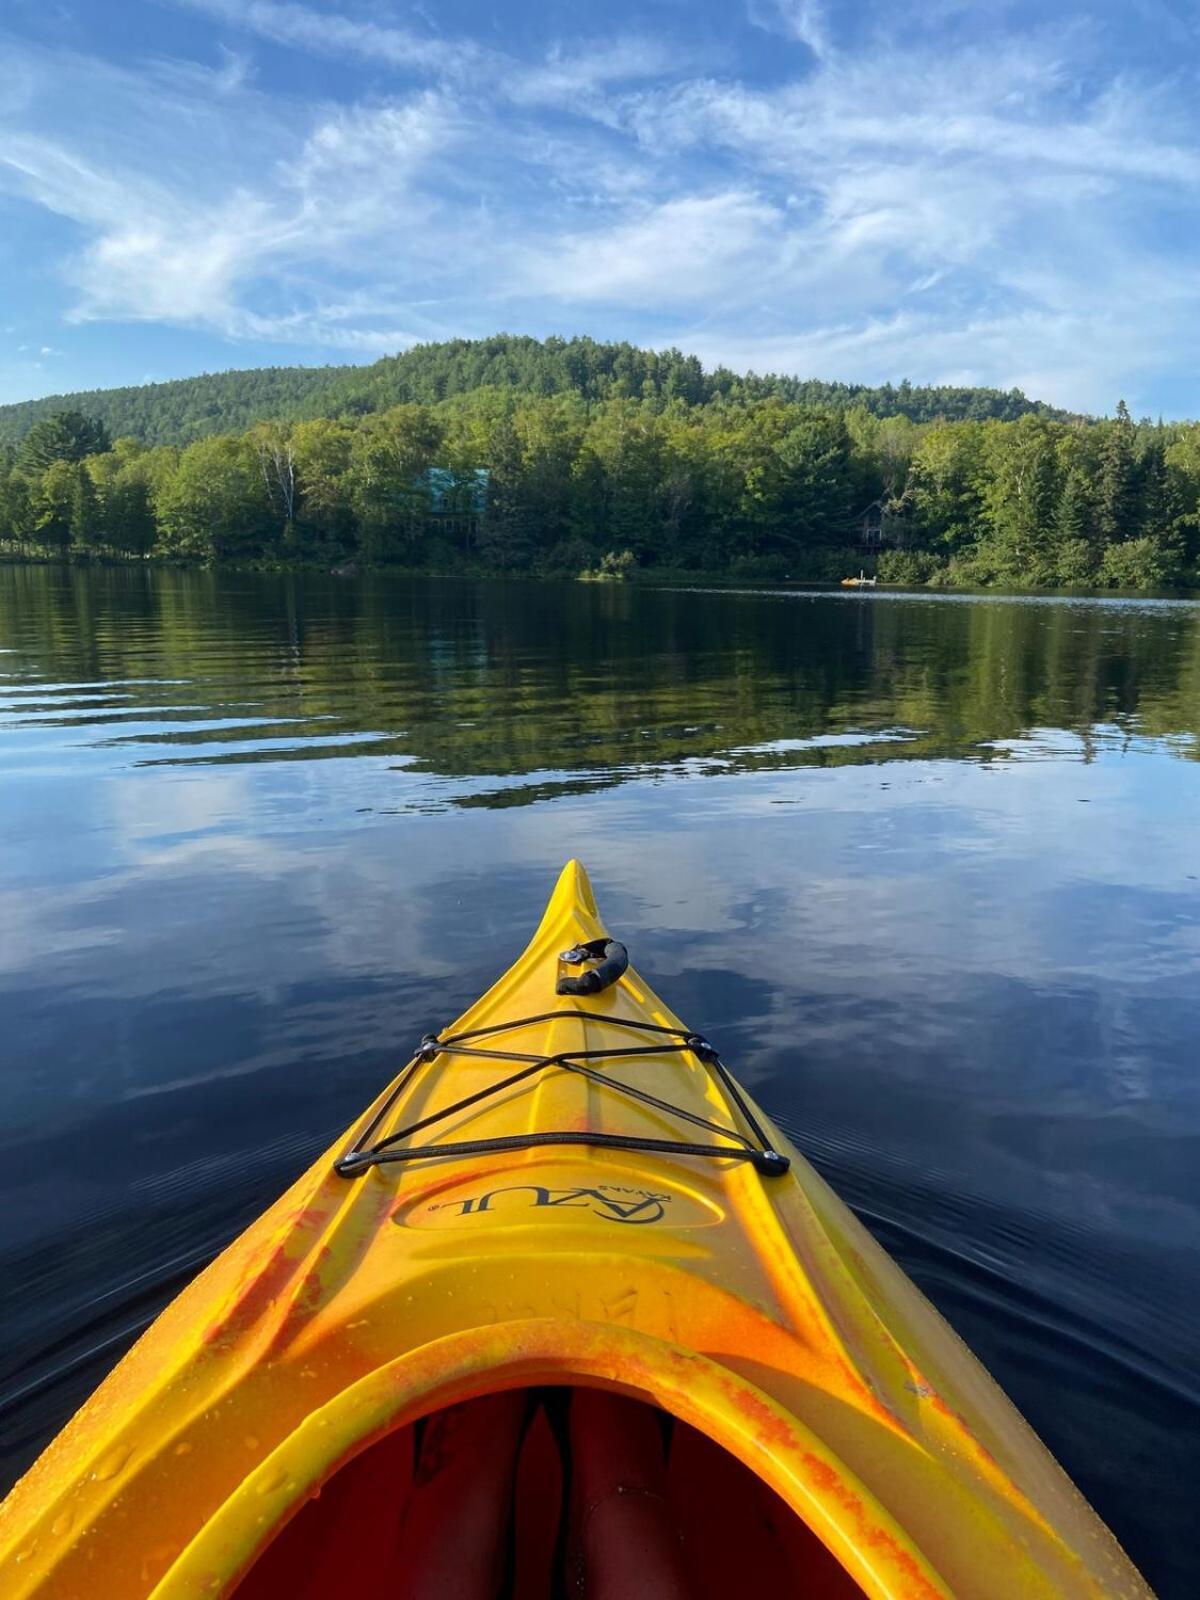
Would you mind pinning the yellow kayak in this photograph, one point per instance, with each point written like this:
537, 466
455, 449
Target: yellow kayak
561, 1315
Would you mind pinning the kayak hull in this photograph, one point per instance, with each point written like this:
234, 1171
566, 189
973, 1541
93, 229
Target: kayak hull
752, 1307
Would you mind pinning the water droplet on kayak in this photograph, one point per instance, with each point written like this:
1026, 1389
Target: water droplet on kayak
63, 1522
24, 1555
183, 1449
250, 1442
111, 1464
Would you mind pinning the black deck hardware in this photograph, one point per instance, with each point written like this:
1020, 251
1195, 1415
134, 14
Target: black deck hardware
613, 959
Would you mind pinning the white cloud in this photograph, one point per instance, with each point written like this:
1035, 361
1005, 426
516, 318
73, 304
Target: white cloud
154, 254
1002, 106
235, 72
326, 33
573, 80
683, 250
356, 175
248, 252
802, 20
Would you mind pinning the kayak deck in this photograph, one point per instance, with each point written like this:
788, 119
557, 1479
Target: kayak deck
473, 1237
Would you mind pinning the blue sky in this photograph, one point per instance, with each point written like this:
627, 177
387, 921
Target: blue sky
958, 191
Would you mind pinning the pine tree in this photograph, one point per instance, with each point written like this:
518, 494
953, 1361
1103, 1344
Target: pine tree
1116, 498
62, 436
1153, 491
1076, 514
818, 488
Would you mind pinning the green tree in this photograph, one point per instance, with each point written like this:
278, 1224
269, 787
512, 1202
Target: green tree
1076, 514
531, 452
122, 483
62, 436
1117, 489
321, 454
1153, 490
761, 517
944, 494
54, 504
276, 454
215, 505
1075, 552
510, 455
504, 543
179, 412
390, 460
623, 440
1020, 502
87, 528
18, 514
1141, 563
817, 486
132, 524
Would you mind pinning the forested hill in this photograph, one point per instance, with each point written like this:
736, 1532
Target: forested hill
229, 402
188, 408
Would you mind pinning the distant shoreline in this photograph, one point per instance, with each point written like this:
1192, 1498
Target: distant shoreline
642, 578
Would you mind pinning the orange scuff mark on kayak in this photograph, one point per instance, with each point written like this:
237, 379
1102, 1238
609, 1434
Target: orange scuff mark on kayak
769, 1427
996, 1473
946, 1410
305, 1304
867, 1532
258, 1292
254, 1300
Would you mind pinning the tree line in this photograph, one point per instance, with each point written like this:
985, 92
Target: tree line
495, 480
186, 409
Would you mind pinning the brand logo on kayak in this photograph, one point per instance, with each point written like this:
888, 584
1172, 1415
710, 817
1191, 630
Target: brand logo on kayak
609, 1200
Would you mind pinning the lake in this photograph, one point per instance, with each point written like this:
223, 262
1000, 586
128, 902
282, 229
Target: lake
927, 868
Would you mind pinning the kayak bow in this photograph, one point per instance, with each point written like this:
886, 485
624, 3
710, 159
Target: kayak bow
565, 1196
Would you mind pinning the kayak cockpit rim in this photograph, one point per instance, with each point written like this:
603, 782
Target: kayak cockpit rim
789, 1458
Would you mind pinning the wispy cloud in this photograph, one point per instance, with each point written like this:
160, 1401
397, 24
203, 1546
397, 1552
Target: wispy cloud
562, 75
577, 78
248, 253
803, 20
685, 250
329, 33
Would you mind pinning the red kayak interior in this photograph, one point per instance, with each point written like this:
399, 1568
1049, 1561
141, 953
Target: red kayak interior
548, 1494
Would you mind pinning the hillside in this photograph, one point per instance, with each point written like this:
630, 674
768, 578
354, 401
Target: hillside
228, 402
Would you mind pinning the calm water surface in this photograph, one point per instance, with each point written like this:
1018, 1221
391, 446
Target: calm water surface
927, 868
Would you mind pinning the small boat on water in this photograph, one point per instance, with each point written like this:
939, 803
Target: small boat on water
861, 582
561, 1314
